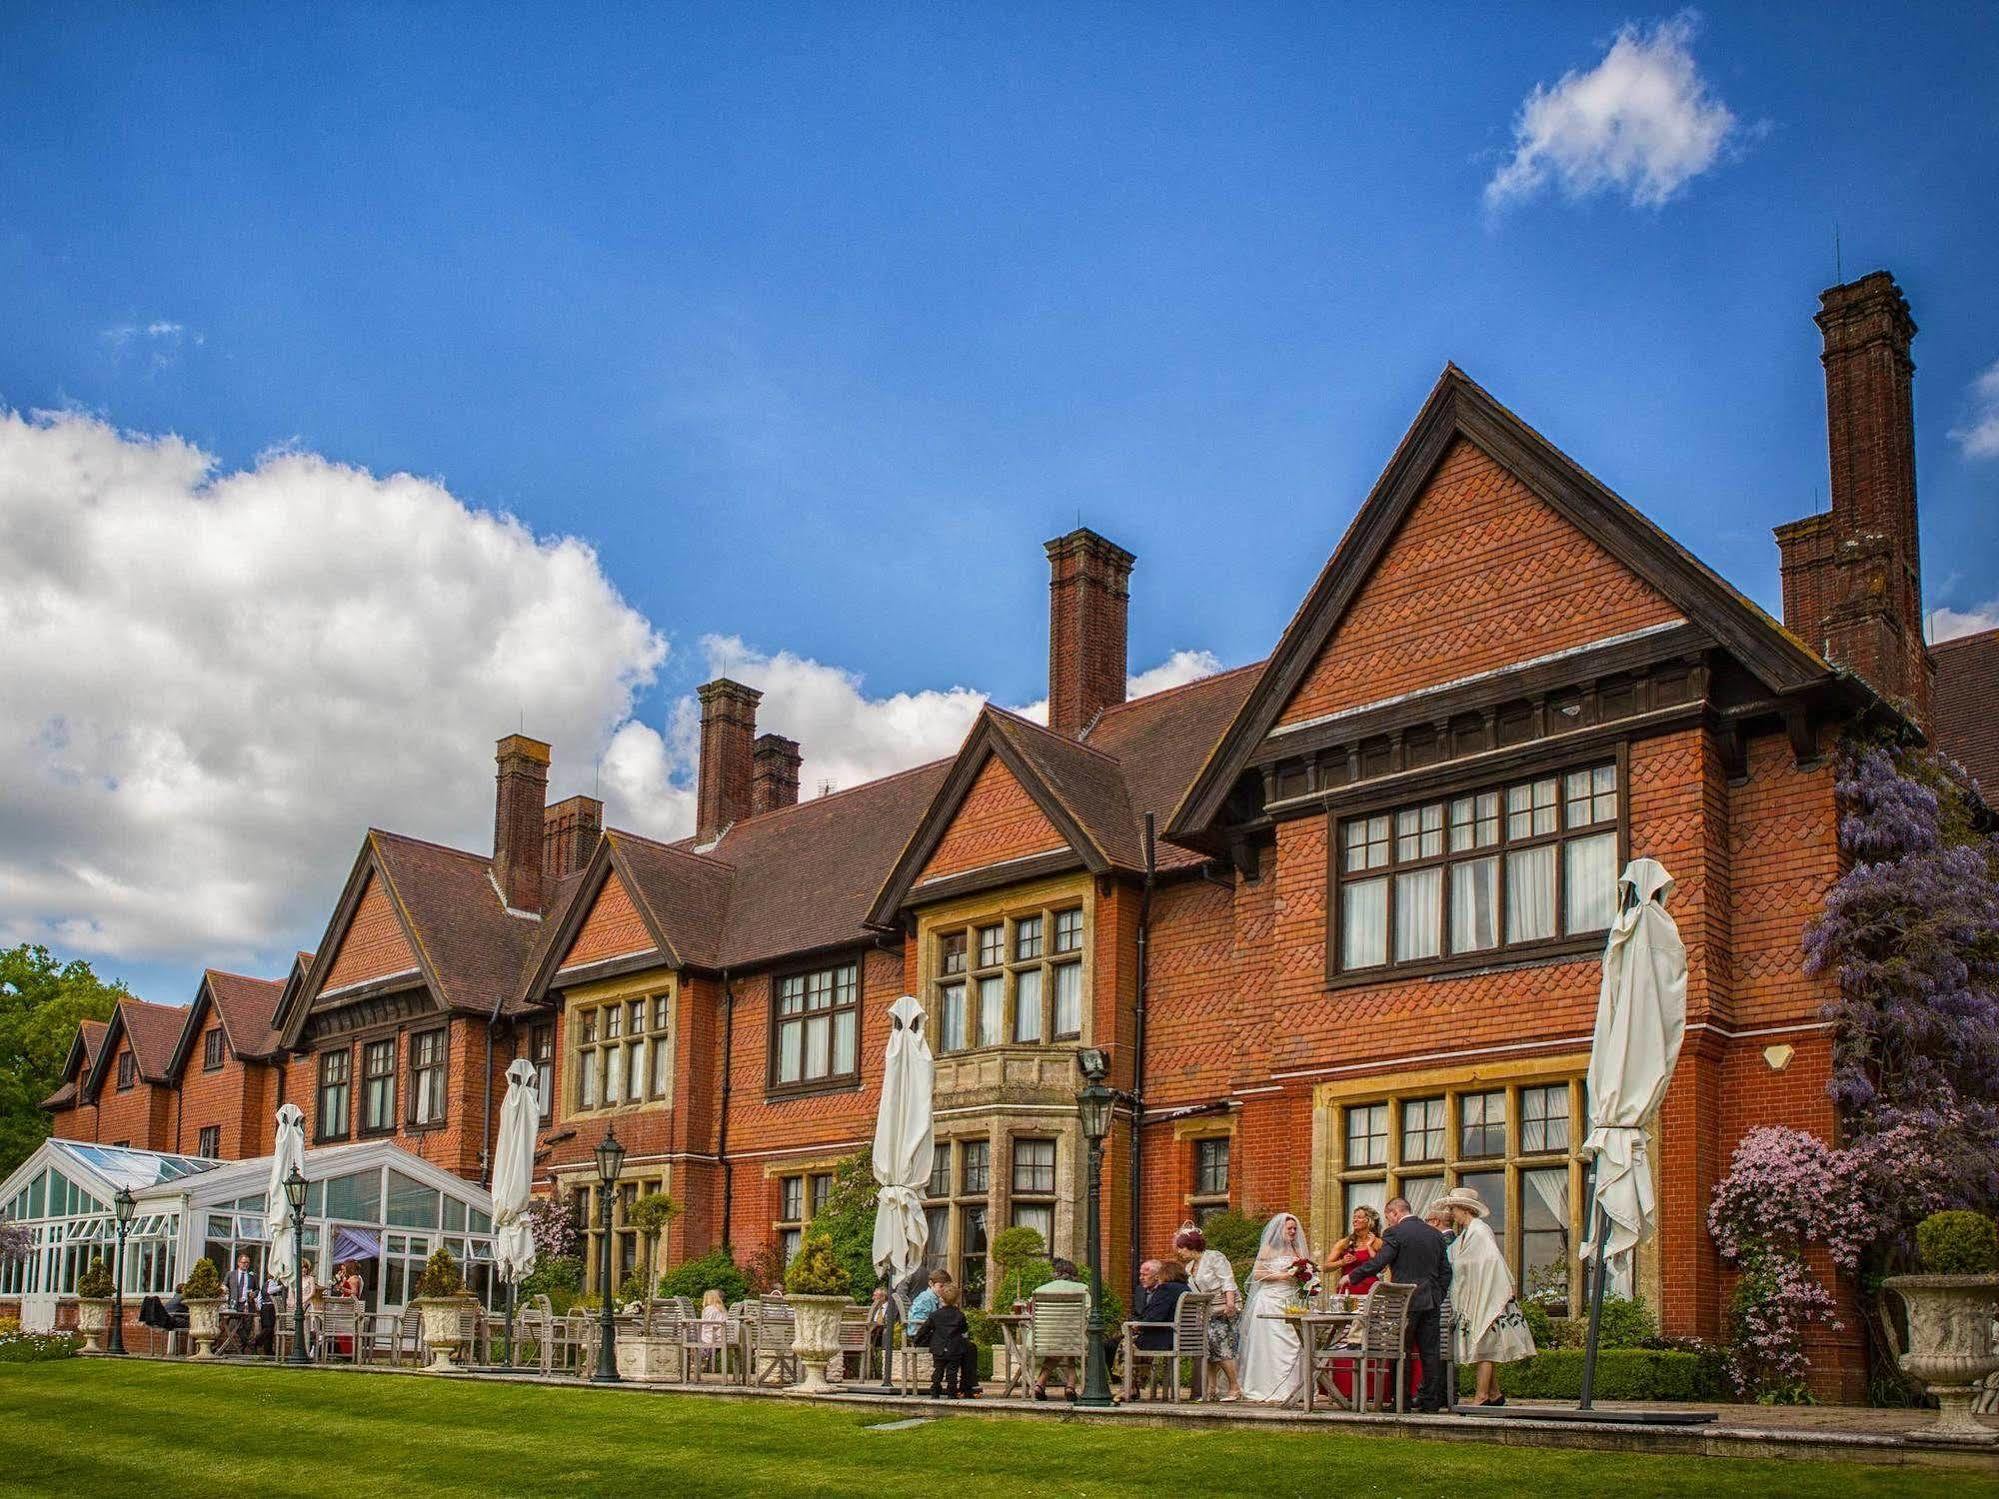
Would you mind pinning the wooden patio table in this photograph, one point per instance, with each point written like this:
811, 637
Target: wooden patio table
1013, 1327
1316, 1330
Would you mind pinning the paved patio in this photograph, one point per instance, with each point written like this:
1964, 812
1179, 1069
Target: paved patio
1821, 1432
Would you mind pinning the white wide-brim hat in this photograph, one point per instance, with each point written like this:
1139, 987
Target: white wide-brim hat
1461, 1197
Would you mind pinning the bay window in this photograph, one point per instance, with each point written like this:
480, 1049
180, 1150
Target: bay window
1014, 981
621, 1054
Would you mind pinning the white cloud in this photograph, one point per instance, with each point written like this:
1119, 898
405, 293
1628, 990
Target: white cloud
214, 682
160, 340
1642, 123
1948, 624
1979, 436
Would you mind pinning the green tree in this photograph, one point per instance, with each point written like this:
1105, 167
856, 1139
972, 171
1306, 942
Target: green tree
41, 1004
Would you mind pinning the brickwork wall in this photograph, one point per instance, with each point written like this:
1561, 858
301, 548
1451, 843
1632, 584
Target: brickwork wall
1482, 575
997, 820
79, 1122
374, 945
141, 1116
612, 929
457, 1143
239, 1099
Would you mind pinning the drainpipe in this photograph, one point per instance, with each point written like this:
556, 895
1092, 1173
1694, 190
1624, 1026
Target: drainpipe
486, 1118
722, 1133
1138, 1049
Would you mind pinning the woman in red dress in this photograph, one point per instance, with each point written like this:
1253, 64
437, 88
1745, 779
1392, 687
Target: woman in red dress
1361, 1243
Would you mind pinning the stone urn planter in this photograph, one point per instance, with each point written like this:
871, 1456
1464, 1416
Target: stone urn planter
650, 1358
204, 1323
93, 1320
815, 1338
443, 1329
1950, 1346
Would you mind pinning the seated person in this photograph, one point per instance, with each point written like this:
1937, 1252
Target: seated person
1160, 1290
1065, 1280
926, 1302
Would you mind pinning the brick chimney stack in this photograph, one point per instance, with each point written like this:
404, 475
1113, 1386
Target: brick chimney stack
774, 777
1089, 589
728, 736
1853, 576
570, 830
517, 820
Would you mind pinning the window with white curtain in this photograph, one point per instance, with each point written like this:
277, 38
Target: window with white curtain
1532, 862
1012, 981
815, 1024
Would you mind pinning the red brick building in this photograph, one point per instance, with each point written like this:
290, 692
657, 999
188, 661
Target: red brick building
1335, 915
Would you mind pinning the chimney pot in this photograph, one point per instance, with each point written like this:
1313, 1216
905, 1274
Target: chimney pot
522, 776
1089, 592
728, 734
774, 779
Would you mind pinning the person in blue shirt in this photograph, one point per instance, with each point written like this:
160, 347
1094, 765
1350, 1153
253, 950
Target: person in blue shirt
926, 1302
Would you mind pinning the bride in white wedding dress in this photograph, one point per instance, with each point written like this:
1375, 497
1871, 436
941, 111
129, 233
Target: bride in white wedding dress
1272, 1365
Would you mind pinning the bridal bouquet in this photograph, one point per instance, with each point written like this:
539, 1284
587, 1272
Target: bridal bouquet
1306, 1274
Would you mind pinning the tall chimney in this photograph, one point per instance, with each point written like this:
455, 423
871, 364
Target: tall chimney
1088, 592
774, 779
1853, 577
570, 830
728, 732
517, 834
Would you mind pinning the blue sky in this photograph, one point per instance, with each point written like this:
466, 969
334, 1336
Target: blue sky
815, 322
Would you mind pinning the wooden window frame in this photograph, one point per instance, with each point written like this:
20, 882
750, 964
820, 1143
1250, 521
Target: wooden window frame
128, 1071
1015, 932
609, 1046
321, 1085
210, 1135
541, 1056
1394, 1173
1203, 1198
832, 1082
211, 1049
363, 1129
1501, 953
418, 1068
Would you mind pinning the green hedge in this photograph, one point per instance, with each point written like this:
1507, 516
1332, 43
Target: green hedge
1621, 1374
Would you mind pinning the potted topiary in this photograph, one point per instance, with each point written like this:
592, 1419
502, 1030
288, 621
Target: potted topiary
442, 1301
816, 1286
652, 1353
201, 1294
1950, 1318
93, 1302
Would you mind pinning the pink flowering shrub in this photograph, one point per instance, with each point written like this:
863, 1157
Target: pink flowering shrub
552, 1221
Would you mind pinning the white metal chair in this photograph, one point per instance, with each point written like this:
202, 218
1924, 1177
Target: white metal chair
1188, 1340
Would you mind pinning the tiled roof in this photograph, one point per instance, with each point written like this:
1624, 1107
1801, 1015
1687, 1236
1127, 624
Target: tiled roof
1088, 782
1965, 709
1161, 742
806, 875
464, 934
684, 895
153, 1031
90, 1033
247, 1007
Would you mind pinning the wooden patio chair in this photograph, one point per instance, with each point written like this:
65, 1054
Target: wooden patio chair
1382, 1347
1447, 1345
772, 1361
340, 1319
1189, 1340
854, 1340
1059, 1333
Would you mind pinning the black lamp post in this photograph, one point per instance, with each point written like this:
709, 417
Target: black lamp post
123, 1204
610, 1162
295, 1198
1095, 1103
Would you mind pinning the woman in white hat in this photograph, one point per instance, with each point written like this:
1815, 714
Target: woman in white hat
1490, 1329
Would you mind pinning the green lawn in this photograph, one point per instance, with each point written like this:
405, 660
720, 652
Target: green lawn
144, 1429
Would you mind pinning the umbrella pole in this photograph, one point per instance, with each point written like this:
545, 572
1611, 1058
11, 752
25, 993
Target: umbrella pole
512, 1288
1599, 1238
888, 1332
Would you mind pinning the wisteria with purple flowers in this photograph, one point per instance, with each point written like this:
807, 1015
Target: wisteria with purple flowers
552, 1222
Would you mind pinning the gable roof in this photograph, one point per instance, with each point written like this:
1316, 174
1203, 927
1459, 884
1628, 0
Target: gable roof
245, 1007
469, 947
681, 897
1964, 707
1458, 407
82, 1056
1136, 758
152, 1031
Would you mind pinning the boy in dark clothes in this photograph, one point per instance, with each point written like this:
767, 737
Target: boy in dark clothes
954, 1361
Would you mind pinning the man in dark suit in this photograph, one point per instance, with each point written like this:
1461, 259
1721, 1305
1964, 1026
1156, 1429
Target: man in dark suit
1415, 1252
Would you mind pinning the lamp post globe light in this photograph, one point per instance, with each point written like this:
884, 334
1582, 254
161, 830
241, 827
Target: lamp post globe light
610, 1162
123, 1204
295, 1199
1094, 1103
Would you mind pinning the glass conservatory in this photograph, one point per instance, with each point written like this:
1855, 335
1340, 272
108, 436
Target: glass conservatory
371, 1205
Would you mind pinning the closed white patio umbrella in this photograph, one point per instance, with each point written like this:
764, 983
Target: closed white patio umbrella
902, 1151
1641, 1019
513, 1184
289, 1152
